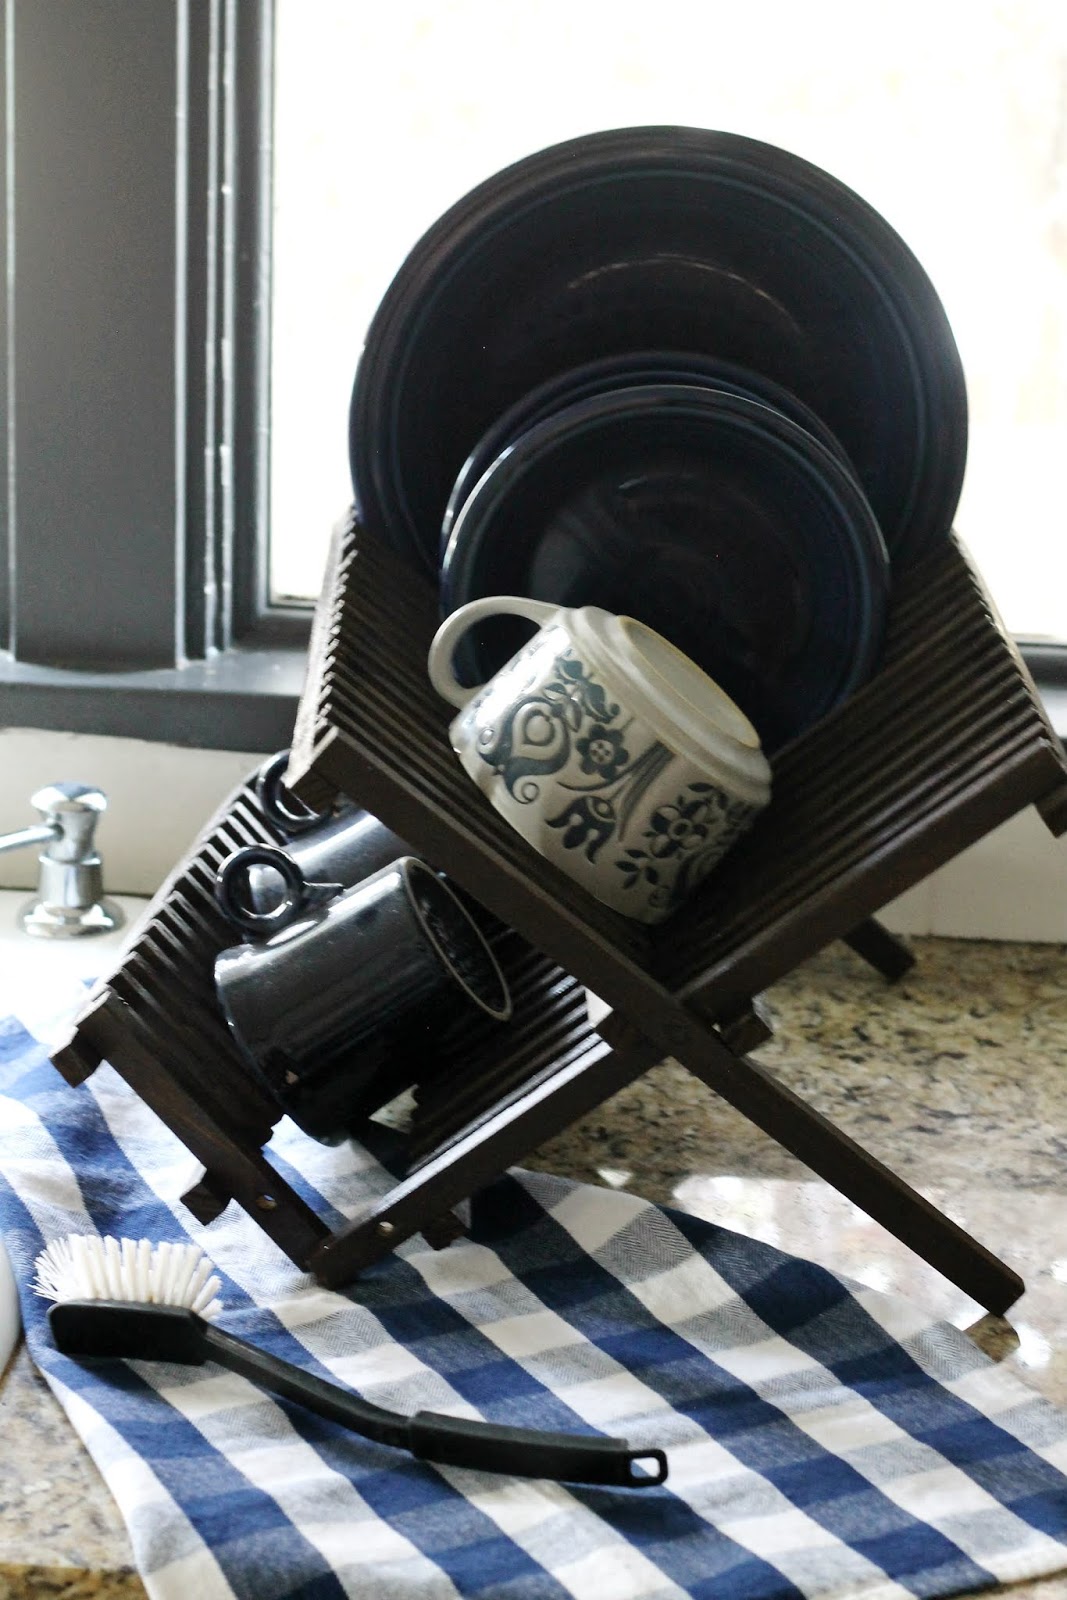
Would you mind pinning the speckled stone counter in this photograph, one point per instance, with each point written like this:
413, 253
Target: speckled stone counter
60, 1530
956, 1077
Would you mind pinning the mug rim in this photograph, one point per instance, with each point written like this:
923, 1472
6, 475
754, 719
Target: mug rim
736, 766
742, 730
412, 867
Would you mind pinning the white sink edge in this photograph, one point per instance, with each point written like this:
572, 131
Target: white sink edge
27, 965
9, 1310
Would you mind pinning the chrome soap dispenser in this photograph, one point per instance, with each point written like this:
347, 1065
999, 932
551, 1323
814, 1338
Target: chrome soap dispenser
70, 897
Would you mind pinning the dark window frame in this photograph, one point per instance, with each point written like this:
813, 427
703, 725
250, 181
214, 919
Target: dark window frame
134, 588
135, 330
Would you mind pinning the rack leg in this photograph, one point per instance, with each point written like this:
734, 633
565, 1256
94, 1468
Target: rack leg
853, 1171
883, 950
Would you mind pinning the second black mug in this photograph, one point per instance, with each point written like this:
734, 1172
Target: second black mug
338, 995
344, 845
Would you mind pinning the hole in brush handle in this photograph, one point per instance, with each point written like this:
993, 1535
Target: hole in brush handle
531, 1453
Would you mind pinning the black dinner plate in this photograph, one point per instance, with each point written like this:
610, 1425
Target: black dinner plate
715, 520
622, 372
659, 238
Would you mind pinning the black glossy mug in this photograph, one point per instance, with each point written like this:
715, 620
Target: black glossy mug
344, 845
338, 999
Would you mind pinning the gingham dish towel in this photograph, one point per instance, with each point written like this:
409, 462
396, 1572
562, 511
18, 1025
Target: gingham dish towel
823, 1439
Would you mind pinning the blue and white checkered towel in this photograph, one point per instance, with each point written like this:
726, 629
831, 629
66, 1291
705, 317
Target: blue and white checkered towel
823, 1439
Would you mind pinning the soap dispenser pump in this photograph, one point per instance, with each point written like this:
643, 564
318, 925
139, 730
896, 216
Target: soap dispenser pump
70, 898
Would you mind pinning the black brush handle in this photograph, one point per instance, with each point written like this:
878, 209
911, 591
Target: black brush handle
449, 1441
108, 1328
326, 1399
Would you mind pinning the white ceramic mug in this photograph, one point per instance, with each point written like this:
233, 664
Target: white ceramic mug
608, 750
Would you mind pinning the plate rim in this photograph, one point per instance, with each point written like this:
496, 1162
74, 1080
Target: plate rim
865, 544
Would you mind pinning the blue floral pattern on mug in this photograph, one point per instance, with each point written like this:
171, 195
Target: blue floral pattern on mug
567, 733
691, 835
567, 714
602, 751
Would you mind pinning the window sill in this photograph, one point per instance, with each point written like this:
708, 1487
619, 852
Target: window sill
243, 699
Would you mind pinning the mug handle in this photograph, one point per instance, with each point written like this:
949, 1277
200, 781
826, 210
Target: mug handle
280, 804
448, 635
300, 895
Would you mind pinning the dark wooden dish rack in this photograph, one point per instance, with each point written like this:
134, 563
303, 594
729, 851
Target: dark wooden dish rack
946, 742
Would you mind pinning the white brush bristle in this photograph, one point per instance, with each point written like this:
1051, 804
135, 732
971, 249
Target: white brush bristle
83, 1267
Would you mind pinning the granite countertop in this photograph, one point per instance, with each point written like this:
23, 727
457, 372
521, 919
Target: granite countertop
955, 1077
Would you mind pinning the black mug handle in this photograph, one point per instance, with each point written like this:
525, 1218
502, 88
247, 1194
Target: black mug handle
288, 813
300, 895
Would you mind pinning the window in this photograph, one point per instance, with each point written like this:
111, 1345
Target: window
135, 488
133, 592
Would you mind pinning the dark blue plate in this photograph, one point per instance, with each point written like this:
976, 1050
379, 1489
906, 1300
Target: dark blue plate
659, 239
622, 372
715, 520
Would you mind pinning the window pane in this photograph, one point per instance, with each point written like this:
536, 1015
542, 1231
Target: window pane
951, 121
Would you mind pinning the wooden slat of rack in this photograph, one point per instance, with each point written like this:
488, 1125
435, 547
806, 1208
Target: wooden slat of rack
829, 853
902, 751
468, 1162
483, 1070
134, 1047
778, 947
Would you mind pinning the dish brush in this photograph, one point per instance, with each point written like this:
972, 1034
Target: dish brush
144, 1302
